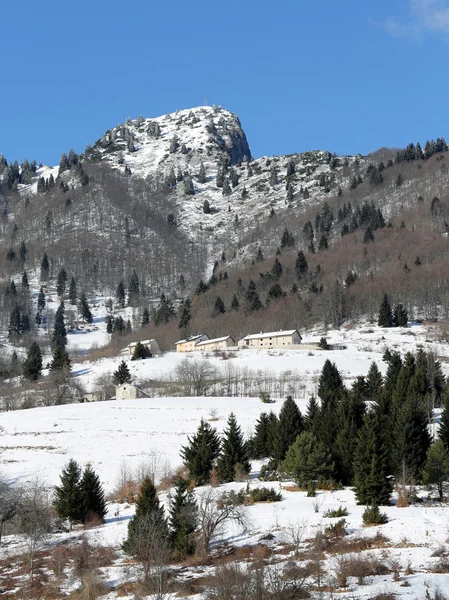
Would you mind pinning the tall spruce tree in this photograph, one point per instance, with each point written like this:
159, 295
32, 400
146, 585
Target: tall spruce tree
290, 425
301, 265
72, 291
133, 289
201, 452
32, 367
120, 294
183, 519
149, 513
60, 360
349, 413
312, 414
385, 313
61, 282
307, 460
411, 437
330, 390
68, 500
259, 446
185, 315
84, 309
93, 501
122, 374
443, 432
41, 300
374, 382
371, 482
59, 331
145, 317
233, 454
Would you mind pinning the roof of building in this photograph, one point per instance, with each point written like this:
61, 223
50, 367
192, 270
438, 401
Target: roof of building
192, 338
142, 342
215, 340
271, 334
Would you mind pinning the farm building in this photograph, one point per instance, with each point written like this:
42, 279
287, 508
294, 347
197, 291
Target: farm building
189, 344
128, 391
216, 344
273, 339
150, 345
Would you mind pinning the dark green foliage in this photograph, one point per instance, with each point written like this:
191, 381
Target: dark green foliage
259, 445
290, 425
371, 482
23, 252
276, 269
206, 207
219, 307
307, 460
25, 283
60, 360
385, 313
373, 382
411, 437
202, 178
148, 513
120, 294
184, 314
32, 367
72, 291
323, 244
133, 289
443, 432
349, 415
11, 255
400, 316
183, 519
436, 469
301, 265
61, 282
312, 414
373, 516
122, 374
68, 496
145, 317
275, 292
165, 311
93, 503
59, 331
252, 297
41, 300
84, 309
287, 240
341, 511
233, 454
235, 304
201, 452
330, 385
140, 352
45, 264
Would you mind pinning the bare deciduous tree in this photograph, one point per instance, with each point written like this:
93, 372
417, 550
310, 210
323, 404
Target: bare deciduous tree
10, 503
195, 377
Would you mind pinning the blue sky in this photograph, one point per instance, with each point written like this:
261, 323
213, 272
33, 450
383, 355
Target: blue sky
347, 76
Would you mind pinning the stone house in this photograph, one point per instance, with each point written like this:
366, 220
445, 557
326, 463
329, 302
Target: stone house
128, 391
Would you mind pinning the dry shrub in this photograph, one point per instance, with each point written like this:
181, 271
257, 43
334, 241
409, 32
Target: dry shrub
167, 482
125, 492
441, 567
402, 501
92, 520
292, 488
58, 560
358, 566
257, 552
214, 478
341, 545
91, 587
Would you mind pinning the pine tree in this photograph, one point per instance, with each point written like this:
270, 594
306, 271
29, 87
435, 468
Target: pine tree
301, 265
145, 317
385, 313
201, 452
165, 311
276, 269
45, 267
133, 289
68, 497
312, 414
330, 390
148, 513
122, 374
202, 178
373, 382
183, 519
93, 503
290, 425
349, 414
287, 239
32, 367
436, 468
184, 314
84, 309
25, 283
233, 453
72, 291
400, 316
235, 304
23, 252
219, 307
60, 360
59, 331
323, 243
140, 352
120, 294
443, 432
307, 460
371, 482
61, 282
411, 437
259, 445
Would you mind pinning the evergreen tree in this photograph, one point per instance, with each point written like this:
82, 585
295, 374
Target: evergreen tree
307, 460
145, 317
287, 239
165, 311
276, 269
202, 178
259, 445
133, 289
259, 257
68, 497
122, 374
120, 294
201, 452
371, 482
290, 425
323, 243
32, 367
63, 163
59, 331
140, 352
184, 314
84, 309
15, 325
385, 313
61, 282
301, 265
436, 468
443, 432
45, 267
219, 307
183, 519
25, 284
233, 453
400, 316
373, 382
349, 413
93, 503
312, 414
148, 513
330, 390
235, 304
206, 207
60, 360
72, 291
23, 252
411, 438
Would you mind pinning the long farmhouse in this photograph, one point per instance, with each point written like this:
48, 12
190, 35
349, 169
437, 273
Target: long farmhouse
273, 339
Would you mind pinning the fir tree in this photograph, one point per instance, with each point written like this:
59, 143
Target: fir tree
60, 360
307, 460
233, 453
165, 311
183, 519
400, 316
133, 289
219, 307
122, 374
23, 252
290, 425
61, 282
301, 265
72, 291
140, 352
276, 269
323, 243
259, 257
312, 414
148, 513
145, 317
371, 482
45, 267
287, 239
93, 503
25, 284
349, 414
59, 331
259, 445
373, 382
443, 432
120, 294
68, 497
385, 313
202, 178
235, 304
32, 367
184, 314
436, 469
411, 438
84, 309
201, 452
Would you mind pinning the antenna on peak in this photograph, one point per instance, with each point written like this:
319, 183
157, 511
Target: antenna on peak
206, 100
